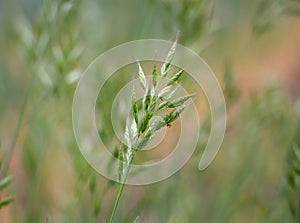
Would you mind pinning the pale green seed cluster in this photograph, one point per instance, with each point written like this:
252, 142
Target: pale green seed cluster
144, 120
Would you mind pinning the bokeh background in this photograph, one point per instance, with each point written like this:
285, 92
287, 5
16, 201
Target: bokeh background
253, 46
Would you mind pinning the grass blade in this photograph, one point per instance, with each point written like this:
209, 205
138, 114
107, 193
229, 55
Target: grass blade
6, 201
154, 75
175, 78
134, 107
166, 66
142, 76
179, 101
5, 182
136, 219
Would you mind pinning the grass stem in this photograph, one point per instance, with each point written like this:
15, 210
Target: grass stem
119, 194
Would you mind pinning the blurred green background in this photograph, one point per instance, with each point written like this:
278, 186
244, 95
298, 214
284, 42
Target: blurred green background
253, 48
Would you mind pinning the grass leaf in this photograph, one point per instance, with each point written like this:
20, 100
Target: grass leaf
164, 92
6, 201
136, 219
166, 66
142, 76
173, 115
163, 105
145, 139
175, 78
5, 182
147, 100
144, 123
179, 101
154, 75
134, 107
157, 124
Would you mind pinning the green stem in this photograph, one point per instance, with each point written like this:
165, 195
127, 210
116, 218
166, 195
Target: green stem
116, 205
119, 194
